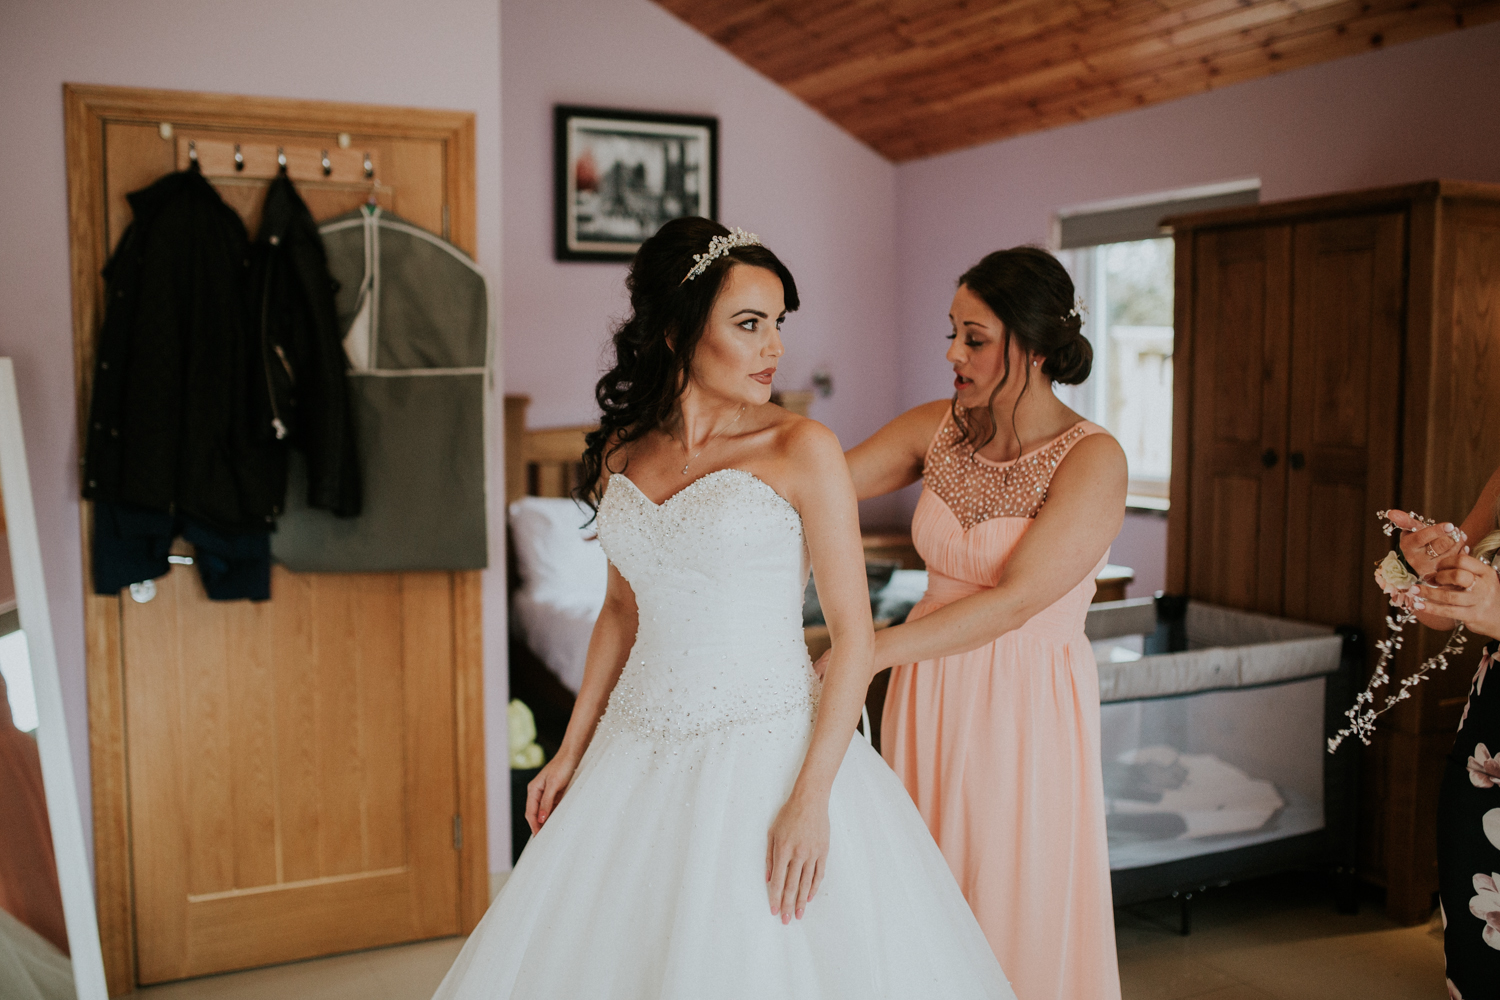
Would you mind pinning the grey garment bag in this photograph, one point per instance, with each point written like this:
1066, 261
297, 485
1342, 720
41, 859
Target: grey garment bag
415, 314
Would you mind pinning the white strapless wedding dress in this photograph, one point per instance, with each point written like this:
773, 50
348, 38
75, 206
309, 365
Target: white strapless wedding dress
648, 881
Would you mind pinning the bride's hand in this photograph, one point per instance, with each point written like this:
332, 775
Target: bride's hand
796, 856
545, 790
821, 667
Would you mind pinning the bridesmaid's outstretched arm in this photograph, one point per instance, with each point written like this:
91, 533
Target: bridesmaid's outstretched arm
892, 457
1075, 527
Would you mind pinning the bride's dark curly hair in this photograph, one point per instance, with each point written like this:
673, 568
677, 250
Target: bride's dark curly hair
654, 346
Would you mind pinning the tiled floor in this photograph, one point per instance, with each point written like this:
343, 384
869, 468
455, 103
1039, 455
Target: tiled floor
1276, 938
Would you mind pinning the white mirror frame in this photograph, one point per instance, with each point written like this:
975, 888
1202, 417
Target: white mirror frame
63, 809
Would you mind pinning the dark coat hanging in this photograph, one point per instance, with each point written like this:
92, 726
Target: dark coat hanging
175, 422
215, 356
301, 350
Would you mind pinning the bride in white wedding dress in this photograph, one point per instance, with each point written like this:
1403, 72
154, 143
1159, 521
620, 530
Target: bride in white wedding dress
713, 827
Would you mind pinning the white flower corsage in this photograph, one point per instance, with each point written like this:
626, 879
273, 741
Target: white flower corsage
1393, 576
1400, 585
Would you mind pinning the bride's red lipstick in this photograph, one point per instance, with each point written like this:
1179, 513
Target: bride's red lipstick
959, 381
764, 377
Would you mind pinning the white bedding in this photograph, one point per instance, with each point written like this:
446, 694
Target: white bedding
563, 577
557, 631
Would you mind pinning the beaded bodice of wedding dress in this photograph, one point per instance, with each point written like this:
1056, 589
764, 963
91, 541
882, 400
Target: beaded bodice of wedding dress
718, 571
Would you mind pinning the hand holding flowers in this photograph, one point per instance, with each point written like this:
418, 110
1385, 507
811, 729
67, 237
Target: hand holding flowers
1423, 543
1408, 596
1466, 591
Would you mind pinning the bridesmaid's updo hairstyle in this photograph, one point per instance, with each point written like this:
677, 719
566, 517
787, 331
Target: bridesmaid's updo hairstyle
653, 348
1032, 294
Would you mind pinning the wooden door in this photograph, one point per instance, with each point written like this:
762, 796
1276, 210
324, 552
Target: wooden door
1237, 489
302, 776
1344, 418
292, 785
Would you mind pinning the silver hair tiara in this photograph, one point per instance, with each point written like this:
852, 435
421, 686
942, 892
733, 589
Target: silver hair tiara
717, 247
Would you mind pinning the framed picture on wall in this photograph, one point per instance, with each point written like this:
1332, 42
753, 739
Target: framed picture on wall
620, 174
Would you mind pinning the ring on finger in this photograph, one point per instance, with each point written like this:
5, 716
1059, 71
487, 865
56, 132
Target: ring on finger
1430, 553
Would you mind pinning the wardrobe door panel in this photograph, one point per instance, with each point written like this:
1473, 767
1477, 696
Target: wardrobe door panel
1238, 479
1344, 410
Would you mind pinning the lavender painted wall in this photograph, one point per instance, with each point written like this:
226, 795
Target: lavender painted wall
1412, 112
824, 202
443, 54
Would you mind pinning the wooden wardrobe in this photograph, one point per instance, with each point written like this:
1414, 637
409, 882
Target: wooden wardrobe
1332, 359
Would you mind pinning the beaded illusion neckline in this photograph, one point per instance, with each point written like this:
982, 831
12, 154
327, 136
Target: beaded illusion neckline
976, 489
998, 463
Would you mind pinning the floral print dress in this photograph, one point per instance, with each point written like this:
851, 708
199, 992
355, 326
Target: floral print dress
1469, 841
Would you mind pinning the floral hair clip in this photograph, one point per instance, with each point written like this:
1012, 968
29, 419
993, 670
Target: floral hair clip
717, 247
1394, 577
1078, 310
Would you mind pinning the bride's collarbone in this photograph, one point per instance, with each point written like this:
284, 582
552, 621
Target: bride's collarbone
656, 466
659, 484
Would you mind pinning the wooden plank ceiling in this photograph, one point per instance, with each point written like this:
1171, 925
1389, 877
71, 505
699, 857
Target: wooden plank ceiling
914, 78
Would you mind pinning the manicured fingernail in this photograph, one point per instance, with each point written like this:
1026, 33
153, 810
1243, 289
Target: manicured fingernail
799, 913
1446, 526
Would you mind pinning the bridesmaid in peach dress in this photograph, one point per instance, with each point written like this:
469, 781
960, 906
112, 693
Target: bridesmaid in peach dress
992, 717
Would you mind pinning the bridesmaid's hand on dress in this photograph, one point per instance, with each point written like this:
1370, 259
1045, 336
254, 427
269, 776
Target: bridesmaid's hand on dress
796, 856
545, 790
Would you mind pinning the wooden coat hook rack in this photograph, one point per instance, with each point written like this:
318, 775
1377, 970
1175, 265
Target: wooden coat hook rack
264, 160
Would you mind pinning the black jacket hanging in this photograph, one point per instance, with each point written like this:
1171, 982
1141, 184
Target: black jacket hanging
215, 356
301, 350
175, 422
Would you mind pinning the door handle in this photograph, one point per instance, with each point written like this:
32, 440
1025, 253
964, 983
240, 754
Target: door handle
1268, 458
1296, 460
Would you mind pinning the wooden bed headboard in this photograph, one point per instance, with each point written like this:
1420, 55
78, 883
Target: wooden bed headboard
540, 463
546, 462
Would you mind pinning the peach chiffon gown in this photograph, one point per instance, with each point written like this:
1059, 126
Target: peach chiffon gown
999, 747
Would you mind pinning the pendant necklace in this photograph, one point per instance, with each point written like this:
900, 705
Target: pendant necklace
711, 440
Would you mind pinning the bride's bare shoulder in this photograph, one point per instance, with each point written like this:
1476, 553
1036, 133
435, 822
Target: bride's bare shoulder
805, 447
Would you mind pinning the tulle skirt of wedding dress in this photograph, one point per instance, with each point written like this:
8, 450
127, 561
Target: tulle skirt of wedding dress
648, 881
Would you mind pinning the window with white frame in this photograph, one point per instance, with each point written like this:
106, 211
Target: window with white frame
1123, 271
